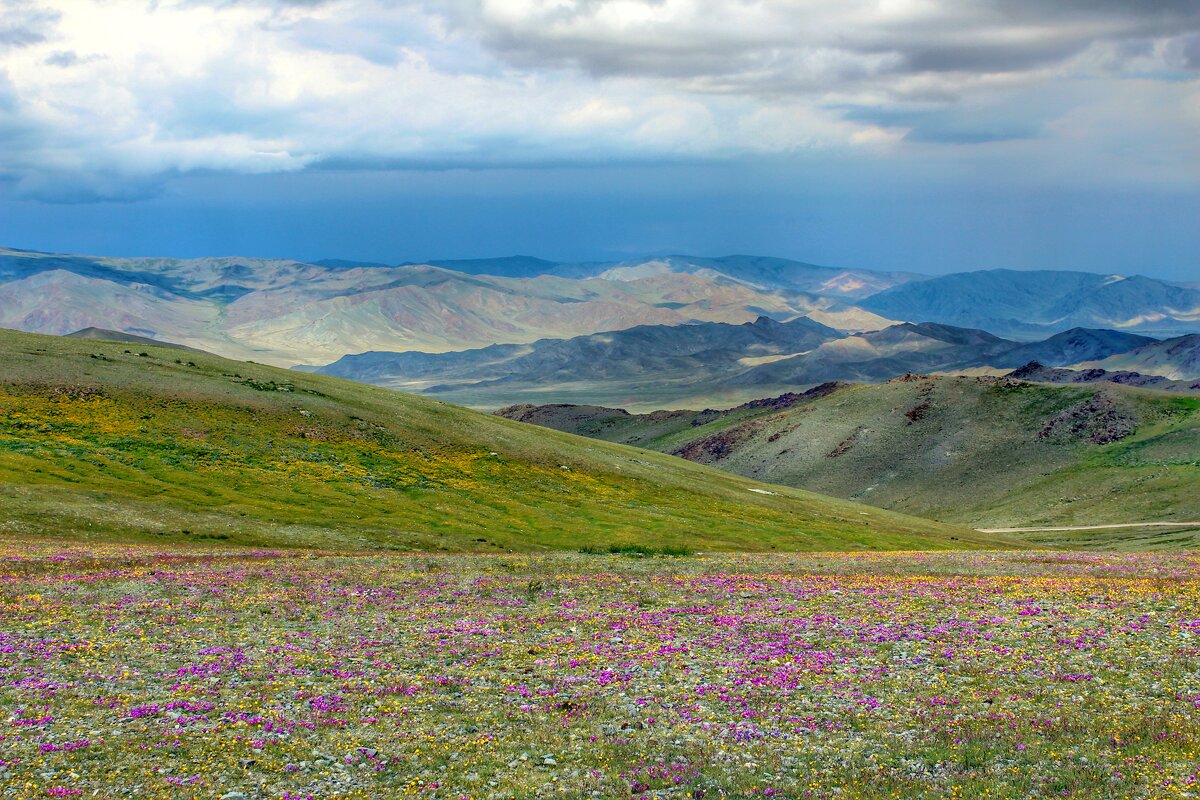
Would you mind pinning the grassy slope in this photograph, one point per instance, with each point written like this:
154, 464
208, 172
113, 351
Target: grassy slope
112, 441
973, 458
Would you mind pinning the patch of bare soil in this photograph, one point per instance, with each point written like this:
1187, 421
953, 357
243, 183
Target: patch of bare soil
845, 444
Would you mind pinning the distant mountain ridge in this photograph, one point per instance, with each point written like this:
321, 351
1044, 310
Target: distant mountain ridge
676, 363
288, 312
760, 271
1036, 303
1177, 359
1040, 373
1072, 347
771, 272
284, 312
880, 355
696, 350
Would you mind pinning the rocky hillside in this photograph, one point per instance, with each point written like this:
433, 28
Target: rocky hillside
987, 452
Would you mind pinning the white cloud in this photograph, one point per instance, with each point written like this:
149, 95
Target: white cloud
105, 98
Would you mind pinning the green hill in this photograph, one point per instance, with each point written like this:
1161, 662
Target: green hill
983, 452
105, 440
105, 335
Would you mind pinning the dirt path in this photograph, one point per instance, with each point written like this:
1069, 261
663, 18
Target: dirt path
1094, 527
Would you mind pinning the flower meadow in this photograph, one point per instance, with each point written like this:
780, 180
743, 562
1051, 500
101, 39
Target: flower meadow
129, 671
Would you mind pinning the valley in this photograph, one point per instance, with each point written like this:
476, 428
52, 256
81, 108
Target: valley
599, 400
718, 364
805, 377
805, 382
105, 441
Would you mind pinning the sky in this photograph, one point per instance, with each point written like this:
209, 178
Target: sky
922, 135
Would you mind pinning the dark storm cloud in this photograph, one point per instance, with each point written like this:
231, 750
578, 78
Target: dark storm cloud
765, 43
262, 86
951, 57
1125, 8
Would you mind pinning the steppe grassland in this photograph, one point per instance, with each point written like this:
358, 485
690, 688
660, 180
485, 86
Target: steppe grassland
126, 444
187, 672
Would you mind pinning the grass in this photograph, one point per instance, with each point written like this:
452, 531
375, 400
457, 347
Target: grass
183, 672
973, 455
1142, 538
102, 441
638, 551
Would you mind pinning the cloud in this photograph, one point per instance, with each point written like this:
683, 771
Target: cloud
1188, 50
22, 24
799, 43
144, 91
68, 58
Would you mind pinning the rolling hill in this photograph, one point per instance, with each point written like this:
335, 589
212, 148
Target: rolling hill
103, 441
102, 335
984, 452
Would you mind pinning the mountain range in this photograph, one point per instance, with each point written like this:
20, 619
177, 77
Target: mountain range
1177, 359
674, 365
762, 272
1030, 304
287, 312
649, 362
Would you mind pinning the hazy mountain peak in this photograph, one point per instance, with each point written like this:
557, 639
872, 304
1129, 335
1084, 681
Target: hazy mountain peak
1177, 359
1031, 305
